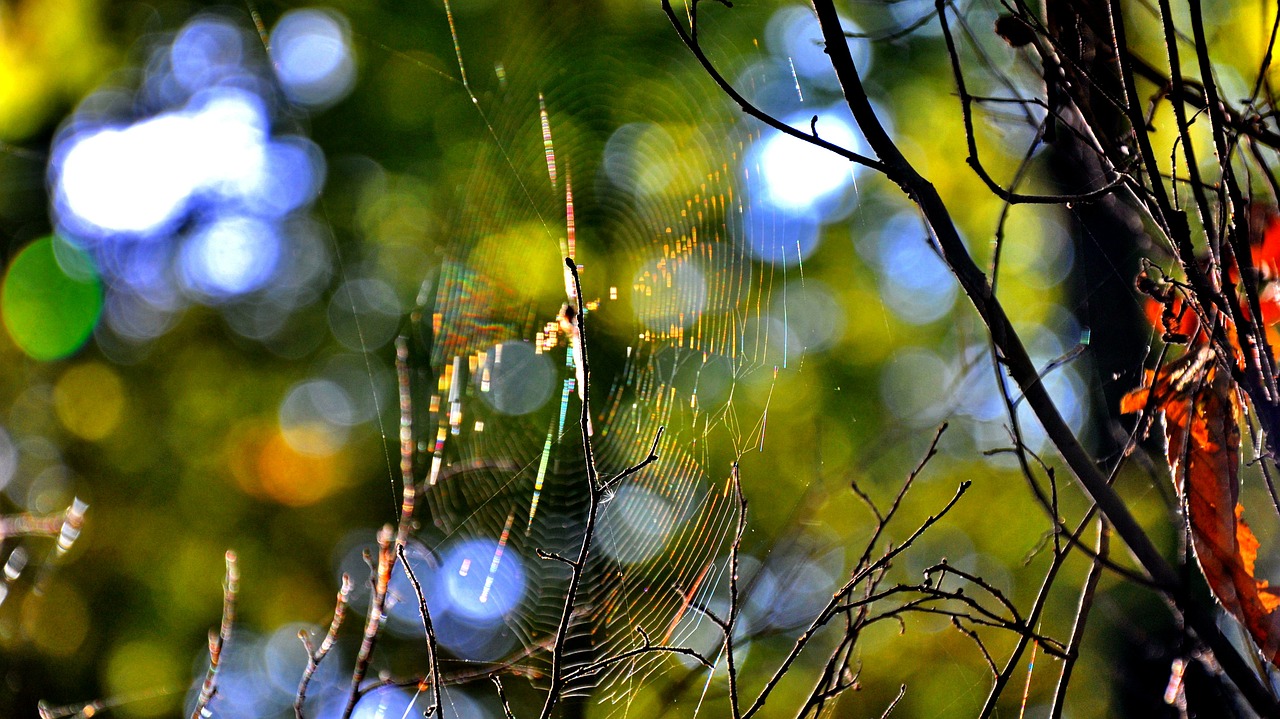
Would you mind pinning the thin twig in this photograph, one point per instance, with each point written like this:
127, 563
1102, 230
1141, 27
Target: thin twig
85, 710
902, 691
218, 640
376, 617
691, 42
315, 655
834, 606
647, 647
883, 522
433, 661
734, 606
973, 634
1082, 616
502, 698
390, 539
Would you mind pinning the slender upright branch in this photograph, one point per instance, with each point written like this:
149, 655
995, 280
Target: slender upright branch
218, 640
1082, 617
391, 539
734, 605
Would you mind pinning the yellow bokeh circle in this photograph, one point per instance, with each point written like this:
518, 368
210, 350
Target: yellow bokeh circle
89, 400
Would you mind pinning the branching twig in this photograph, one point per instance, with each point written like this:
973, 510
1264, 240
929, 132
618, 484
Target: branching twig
835, 606
882, 522
595, 494
691, 42
315, 654
646, 647
966, 109
376, 617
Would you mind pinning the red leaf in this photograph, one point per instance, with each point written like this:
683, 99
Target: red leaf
1265, 237
1201, 412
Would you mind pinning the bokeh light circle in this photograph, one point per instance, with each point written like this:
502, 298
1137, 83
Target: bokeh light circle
794, 187
916, 385
231, 257
483, 581
312, 53
810, 316
633, 158
364, 313
520, 379
914, 281
798, 174
669, 295
205, 50
316, 417
636, 524
89, 400
794, 33
48, 311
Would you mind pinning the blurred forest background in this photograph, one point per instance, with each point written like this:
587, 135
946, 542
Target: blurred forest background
216, 220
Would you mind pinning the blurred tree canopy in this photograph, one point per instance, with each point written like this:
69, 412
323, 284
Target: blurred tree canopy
217, 220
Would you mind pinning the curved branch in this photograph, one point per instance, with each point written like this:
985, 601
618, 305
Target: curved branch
689, 38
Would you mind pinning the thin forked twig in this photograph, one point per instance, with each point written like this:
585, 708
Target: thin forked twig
376, 617
315, 654
646, 647
595, 494
834, 606
883, 522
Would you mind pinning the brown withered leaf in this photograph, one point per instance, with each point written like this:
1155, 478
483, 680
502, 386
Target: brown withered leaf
1201, 412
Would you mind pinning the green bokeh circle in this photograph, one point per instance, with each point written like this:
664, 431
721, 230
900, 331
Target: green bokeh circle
51, 299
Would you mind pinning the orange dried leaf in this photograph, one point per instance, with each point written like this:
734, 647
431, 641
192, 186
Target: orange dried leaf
1202, 432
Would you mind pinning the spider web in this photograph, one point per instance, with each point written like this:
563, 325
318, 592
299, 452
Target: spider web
656, 217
